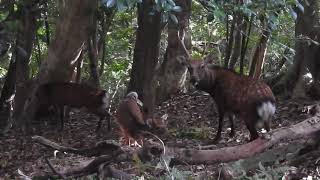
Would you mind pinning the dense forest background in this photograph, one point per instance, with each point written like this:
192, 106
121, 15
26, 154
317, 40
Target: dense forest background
133, 45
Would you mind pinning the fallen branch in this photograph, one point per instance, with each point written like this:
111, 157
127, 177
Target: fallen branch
227, 154
115, 154
233, 170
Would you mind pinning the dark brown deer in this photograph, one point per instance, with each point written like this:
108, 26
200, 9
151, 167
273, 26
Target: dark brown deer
130, 118
251, 100
76, 96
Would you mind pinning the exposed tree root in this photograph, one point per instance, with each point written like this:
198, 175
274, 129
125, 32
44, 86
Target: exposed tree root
108, 152
227, 154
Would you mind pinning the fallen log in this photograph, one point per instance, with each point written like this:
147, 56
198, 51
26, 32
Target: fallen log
228, 154
111, 153
236, 169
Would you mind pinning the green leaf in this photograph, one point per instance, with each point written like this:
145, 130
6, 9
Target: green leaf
171, 2
173, 18
301, 8
110, 3
293, 13
176, 9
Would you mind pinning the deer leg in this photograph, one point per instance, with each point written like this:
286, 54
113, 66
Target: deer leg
126, 138
267, 125
101, 118
218, 135
252, 128
66, 112
231, 119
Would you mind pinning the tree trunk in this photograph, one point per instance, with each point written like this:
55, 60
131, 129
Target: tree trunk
230, 44
172, 75
93, 60
259, 54
105, 25
237, 42
307, 52
4, 40
71, 33
25, 39
8, 88
93, 52
146, 55
245, 42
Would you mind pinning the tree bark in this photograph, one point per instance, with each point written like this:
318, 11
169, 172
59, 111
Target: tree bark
71, 33
230, 44
7, 92
8, 88
259, 53
146, 55
307, 55
25, 40
172, 75
93, 60
245, 42
237, 41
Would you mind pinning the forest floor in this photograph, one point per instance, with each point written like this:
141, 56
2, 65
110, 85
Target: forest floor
192, 120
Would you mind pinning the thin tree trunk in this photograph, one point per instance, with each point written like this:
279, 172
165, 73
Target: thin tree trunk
25, 39
8, 88
259, 54
245, 42
230, 44
93, 52
237, 42
106, 24
172, 75
146, 55
93, 57
103, 34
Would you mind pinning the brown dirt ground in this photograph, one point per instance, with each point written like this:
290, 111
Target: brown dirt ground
192, 120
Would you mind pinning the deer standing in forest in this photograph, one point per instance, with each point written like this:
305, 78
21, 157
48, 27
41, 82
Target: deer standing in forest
251, 100
60, 94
